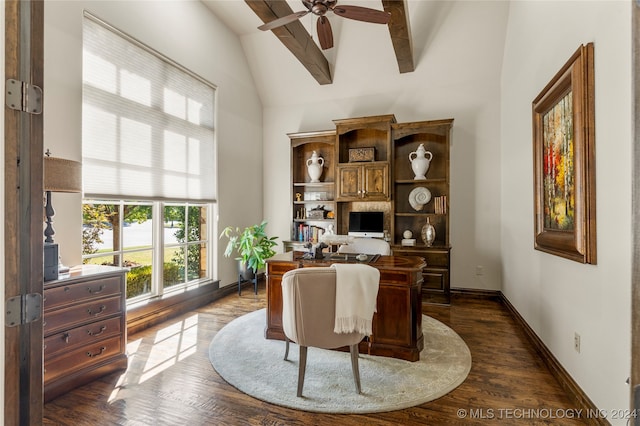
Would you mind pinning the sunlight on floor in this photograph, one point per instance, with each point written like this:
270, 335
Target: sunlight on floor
171, 344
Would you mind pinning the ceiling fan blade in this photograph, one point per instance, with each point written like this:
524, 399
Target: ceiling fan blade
282, 21
363, 14
325, 35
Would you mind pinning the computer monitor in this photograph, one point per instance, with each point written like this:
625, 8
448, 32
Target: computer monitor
366, 224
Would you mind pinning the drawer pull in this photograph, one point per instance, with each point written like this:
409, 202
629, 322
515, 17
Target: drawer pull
98, 291
102, 329
65, 337
102, 308
102, 349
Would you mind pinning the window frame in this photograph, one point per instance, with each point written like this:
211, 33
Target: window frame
157, 247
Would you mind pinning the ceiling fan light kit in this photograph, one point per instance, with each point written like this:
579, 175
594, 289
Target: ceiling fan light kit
323, 27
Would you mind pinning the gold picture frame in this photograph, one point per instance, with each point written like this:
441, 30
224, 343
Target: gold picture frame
564, 161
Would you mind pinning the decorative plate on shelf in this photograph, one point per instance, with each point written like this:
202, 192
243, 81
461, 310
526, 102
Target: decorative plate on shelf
419, 197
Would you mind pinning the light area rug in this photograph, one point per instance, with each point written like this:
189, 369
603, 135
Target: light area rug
256, 366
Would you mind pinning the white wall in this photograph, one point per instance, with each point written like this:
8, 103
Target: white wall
187, 32
558, 297
457, 76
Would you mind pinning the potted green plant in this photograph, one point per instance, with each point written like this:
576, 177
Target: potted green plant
252, 245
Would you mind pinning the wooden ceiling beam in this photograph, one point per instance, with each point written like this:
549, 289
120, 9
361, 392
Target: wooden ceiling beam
400, 33
295, 37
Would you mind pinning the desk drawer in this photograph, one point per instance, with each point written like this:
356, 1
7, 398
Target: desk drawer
80, 358
63, 295
65, 341
82, 313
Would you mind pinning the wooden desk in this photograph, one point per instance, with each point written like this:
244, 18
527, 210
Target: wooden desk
397, 324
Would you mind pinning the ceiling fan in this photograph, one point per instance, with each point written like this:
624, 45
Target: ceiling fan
320, 8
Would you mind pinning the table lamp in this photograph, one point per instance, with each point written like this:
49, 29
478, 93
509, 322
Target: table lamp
60, 175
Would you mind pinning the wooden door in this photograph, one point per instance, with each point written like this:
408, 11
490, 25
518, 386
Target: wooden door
349, 182
376, 181
23, 244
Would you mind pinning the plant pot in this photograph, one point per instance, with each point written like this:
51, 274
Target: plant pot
244, 271
246, 274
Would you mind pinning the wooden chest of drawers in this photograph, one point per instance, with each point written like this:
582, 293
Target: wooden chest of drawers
85, 328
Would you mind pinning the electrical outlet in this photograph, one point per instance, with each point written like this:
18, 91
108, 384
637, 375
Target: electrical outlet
479, 270
576, 342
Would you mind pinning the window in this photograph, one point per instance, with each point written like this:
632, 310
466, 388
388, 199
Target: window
149, 165
164, 244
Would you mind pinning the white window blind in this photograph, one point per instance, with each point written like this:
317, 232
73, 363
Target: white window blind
147, 126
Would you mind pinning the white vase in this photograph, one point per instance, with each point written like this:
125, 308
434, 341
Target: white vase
314, 167
420, 161
428, 234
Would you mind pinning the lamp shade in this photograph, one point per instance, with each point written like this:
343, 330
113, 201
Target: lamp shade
62, 175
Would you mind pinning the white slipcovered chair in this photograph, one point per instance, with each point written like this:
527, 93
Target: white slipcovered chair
309, 311
365, 245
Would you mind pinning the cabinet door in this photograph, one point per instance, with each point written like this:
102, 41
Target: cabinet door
349, 182
376, 181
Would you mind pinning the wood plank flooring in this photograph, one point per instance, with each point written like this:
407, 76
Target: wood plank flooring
170, 380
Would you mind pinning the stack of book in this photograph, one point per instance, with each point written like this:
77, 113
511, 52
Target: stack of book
308, 233
440, 204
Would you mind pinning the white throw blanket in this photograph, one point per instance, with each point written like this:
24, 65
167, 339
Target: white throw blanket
356, 293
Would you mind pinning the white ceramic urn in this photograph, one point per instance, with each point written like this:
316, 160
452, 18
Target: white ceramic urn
314, 167
420, 160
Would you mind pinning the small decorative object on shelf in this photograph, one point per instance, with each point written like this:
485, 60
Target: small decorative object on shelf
314, 167
428, 233
298, 197
362, 154
418, 197
315, 196
317, 213
420, 160
407, 240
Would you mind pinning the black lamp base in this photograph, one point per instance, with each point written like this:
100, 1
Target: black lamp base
50, 261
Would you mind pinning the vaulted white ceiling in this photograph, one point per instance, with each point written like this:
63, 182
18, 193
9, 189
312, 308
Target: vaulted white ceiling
237, 15
363, 57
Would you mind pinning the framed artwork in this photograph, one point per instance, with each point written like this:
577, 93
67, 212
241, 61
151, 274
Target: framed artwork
564, 161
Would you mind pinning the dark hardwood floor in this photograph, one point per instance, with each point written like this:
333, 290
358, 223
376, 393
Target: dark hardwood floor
170, 380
